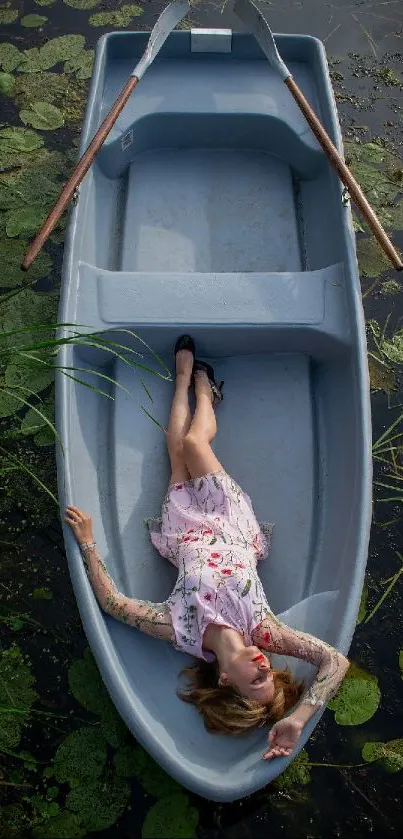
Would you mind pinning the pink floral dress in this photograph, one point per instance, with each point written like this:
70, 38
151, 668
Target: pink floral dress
209, 531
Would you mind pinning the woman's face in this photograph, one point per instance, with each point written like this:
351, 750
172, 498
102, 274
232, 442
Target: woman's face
251, 674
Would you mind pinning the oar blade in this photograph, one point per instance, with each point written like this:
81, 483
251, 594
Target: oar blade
252, 17
168, 19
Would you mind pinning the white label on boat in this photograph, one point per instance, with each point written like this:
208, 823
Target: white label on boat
127, 140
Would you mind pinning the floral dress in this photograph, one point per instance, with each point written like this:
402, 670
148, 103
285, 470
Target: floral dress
209, 531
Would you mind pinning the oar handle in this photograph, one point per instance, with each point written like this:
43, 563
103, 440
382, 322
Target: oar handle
346, 177
81, 169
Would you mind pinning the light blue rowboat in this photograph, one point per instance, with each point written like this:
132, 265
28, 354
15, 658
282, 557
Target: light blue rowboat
212, 208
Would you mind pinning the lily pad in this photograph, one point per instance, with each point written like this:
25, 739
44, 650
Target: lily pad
11, 255
25, 221
82, 64
33, 21
6, 82
24, 372
10, 57
42, 594
33, 424
98, 804
372, 261
64, 826
8, 15
297, 773
82, 4
54, 51
390, 754
18, 147
45, 2
392, 348
43, 116
88, 688
81, 756
358, 698
382, 376
68, 93
121, 17
136, 763
171, 818
16, 691
27, 307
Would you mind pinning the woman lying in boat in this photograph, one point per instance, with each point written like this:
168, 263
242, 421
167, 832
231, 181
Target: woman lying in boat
217, 611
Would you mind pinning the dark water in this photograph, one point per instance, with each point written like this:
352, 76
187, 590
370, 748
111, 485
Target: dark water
362, 39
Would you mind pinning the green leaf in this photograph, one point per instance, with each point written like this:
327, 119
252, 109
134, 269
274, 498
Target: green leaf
246, 588
16, 691
357, 699
82, 64
27, 307
392, 348
121, 17
297, 773
81, 756
372, 261
42, 594
33, 424
26, 221
363, 604
15, 139
89, 690
11, 255
136, 763
98, 804
25, 372
6, 82
390, 754
82, 4
43, 116
45, 2
60, 49
33, 21
171, 818
65, 826
30, 61
8, 15
10, 57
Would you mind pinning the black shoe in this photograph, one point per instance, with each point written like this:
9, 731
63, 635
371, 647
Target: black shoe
216, 388
185, 342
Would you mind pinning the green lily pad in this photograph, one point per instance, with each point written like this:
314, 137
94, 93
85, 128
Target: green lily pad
81, 756
82, 64
382, 377
45, 2
69, 93
24, 191
121, 17
15, 138
6, 82
358, 698
16, 691
54, 51
10, 57
89, 690
372, 261
64, 826
42, 594
82, 4
43, 116
33, 424
390, 754
98, 804
296, 774
8, 15
25, 221
11, 255
24, 372
33, 21
171, 818
30, 61
27, 307
135, 762
392, 348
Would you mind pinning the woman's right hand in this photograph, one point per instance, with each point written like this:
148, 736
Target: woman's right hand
80, 523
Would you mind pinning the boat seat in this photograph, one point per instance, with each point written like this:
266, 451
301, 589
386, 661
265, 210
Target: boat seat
282, 303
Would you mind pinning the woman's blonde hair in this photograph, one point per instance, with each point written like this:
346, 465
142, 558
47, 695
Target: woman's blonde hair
225, 711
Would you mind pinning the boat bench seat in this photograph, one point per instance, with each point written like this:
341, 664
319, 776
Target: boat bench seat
282, 302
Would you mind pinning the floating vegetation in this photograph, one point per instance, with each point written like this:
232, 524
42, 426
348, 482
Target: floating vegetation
389, 755
43, 116
121, 17
8, 15
81, 4
296, 774
33, 21
171, 818
17, 695
358, 698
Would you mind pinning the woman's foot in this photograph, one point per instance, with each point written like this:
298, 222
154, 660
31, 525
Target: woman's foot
206, 381
184, 357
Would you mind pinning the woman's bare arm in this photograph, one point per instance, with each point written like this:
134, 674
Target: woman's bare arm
151, 618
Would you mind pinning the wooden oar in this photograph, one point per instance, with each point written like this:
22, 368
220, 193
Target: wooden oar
166, 22
250, 15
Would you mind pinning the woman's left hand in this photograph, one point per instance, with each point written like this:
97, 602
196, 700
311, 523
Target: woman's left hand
80, 523
283, 738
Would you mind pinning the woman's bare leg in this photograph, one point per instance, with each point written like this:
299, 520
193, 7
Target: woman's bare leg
199, 456
179, 418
